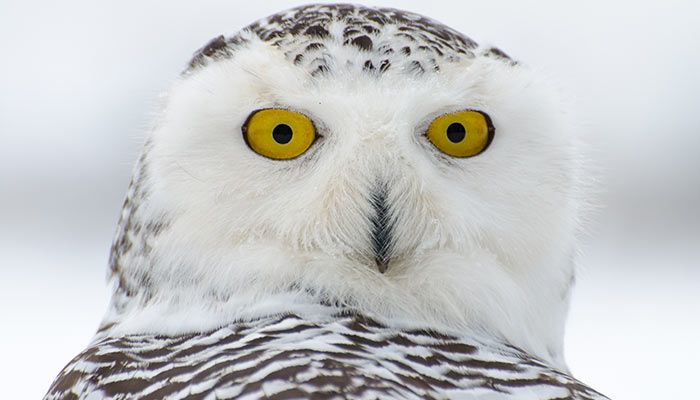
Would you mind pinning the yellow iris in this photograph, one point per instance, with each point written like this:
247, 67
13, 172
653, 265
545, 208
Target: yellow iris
279, 134
461, 134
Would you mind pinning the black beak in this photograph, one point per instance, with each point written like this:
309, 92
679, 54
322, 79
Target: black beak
381, 228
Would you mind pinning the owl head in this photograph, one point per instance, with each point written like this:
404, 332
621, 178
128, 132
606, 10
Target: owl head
343, 157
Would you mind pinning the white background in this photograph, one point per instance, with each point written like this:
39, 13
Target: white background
78, 81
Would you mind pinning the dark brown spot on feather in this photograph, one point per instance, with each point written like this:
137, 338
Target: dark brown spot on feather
288, 394
314, 46
416, 67
455, 347
370, 29
431, 333
362, 42
128, 386
384, 65
209, 50
317, 30
320, 70
349, 32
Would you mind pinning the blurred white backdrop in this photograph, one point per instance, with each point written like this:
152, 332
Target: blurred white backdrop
79, 80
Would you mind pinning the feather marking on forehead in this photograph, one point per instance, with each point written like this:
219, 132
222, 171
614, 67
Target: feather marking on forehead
319, 37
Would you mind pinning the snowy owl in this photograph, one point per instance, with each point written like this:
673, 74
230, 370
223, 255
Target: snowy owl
344, 202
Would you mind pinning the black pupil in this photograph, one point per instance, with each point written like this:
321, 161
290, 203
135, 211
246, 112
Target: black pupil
282, 134
456, 132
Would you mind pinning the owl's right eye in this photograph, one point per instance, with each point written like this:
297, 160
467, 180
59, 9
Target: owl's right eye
278, 133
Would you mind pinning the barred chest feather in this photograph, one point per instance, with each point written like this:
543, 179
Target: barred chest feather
348, 356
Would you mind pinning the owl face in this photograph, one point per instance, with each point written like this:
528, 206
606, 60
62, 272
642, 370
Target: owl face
369, 164
446, 192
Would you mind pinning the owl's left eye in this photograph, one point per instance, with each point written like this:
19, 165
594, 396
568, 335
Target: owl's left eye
461, 134
278, 133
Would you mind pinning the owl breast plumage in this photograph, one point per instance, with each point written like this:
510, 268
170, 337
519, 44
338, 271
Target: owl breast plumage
344, 202
288, 357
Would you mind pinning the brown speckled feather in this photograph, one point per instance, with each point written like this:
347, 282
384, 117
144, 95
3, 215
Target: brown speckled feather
349, 357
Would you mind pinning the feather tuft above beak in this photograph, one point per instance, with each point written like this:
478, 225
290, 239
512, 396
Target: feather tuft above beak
381, 228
